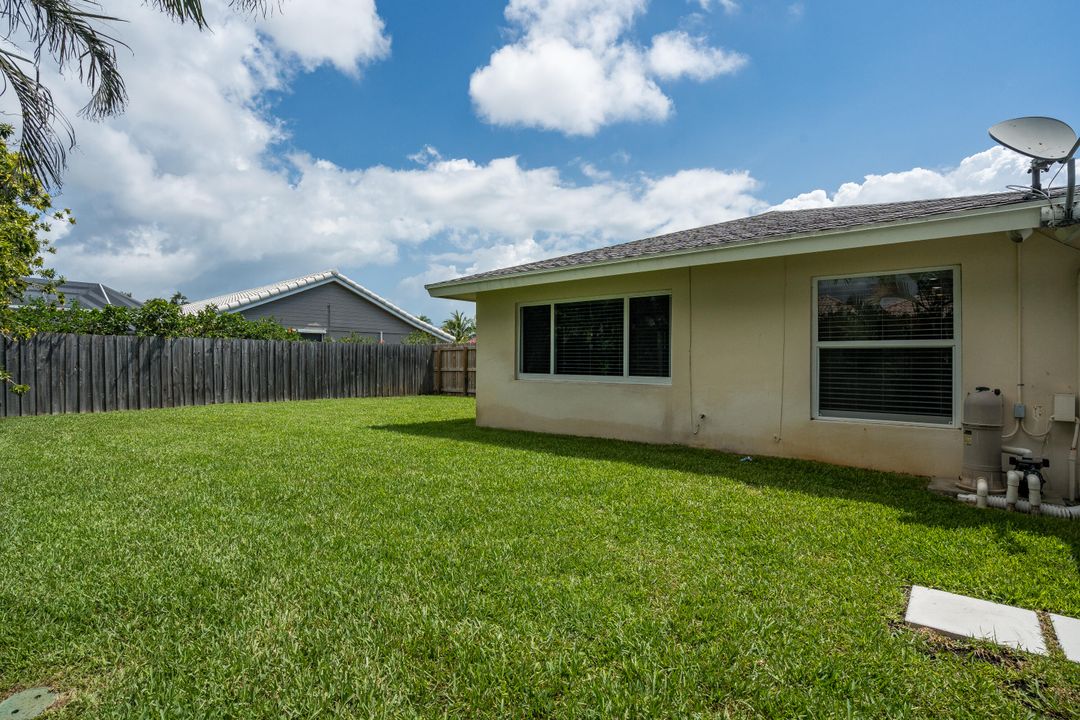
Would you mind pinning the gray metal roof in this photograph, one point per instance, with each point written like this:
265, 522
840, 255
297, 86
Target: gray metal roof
89, 295
766, 226
236, 301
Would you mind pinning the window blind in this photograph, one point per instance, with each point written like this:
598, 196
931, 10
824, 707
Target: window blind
650, 336
910, 384
886, 346
536, 339
908, 306
589, 338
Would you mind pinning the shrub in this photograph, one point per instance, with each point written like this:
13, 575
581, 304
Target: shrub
356, 339
419, 337
156, 318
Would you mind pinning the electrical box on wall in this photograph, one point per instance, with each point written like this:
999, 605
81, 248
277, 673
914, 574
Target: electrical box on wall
1064, 407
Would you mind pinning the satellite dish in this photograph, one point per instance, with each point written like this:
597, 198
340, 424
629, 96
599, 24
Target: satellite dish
1041, 138
1046, 141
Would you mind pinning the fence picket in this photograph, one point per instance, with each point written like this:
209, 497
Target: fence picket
153, 366
94, 373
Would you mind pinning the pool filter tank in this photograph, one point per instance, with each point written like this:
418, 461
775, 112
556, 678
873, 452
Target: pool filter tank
983, 420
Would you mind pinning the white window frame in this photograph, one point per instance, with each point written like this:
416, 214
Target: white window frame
626, 377
954, 343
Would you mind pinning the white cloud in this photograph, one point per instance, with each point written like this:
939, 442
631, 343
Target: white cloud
189, 190
594, 173
343, 33
985, 172
554, 85
675, 54
572, 69
729, 6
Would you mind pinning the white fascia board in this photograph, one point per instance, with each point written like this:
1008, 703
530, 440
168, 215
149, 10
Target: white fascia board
989, 220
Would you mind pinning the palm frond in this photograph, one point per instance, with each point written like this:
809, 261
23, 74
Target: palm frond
42, 148
69, 31
192, 11
182, 10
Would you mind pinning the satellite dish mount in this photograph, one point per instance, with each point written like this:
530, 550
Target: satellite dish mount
1046, 141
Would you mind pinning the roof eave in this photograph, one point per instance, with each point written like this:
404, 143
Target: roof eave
976, 222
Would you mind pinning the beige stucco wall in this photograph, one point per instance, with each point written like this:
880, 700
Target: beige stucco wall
741, 355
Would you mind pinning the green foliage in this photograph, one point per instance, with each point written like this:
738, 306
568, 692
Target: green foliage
419, 337
25, 213
156, 318
159, 318
356, 339
461, 326
178, 298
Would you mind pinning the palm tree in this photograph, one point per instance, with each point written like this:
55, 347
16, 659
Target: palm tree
461, 326
70, 32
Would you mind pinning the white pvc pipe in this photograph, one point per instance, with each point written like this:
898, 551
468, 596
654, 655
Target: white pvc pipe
1034, 483
1012, 493
1071, 512
981, 492
1072, 461
1014, 450
1020, 333
1076, 429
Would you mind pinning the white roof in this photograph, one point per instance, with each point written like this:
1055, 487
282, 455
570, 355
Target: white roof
244, 299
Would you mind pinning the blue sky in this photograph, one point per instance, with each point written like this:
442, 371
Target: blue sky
288, 146
833, 91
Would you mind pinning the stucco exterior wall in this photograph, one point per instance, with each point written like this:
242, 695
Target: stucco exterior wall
348, 313
741, 356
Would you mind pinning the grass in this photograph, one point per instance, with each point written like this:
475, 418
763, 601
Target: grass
386, 558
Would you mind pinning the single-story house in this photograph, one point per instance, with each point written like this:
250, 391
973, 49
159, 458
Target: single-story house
89, 295
845, 334
322, 306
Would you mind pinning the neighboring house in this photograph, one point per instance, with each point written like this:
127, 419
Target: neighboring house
844, 334
90, 295
322, 306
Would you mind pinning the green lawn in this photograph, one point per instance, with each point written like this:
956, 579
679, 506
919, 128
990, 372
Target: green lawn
384, 557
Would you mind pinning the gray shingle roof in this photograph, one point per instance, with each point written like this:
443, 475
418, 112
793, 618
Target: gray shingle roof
766, 226
89, 295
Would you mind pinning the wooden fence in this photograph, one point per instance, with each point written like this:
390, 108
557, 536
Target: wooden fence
455, 369
95, 373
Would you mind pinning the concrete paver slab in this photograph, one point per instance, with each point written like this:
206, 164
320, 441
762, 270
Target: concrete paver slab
966, 617
1067, 630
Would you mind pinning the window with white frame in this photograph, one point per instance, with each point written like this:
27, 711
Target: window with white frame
626, 337
886, 346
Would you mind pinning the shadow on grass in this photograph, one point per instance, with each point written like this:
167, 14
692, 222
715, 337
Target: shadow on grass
906, 493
